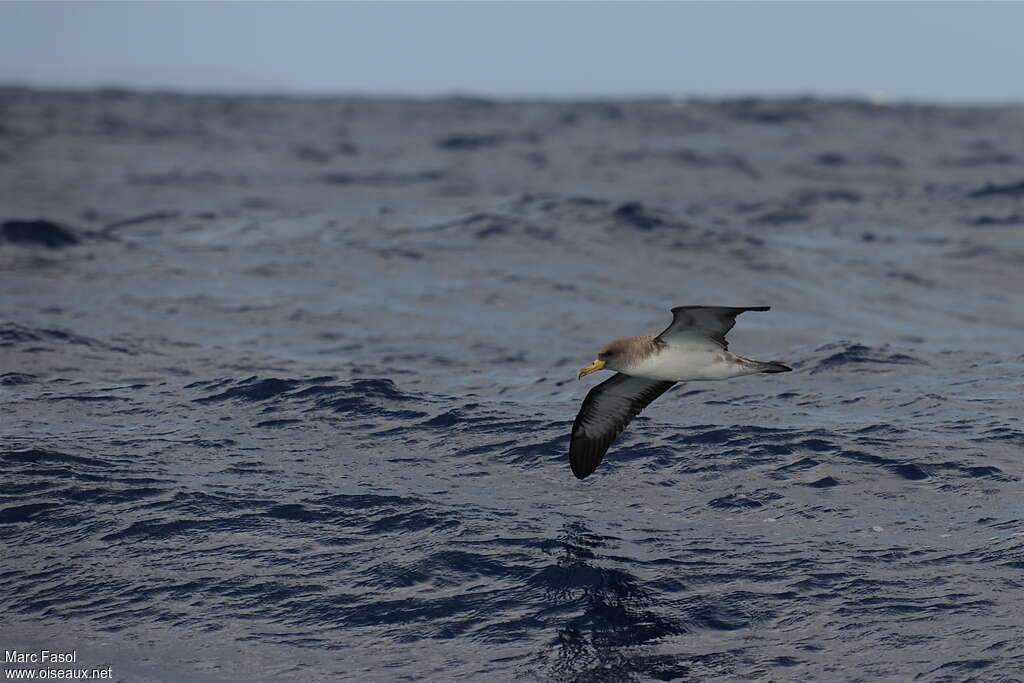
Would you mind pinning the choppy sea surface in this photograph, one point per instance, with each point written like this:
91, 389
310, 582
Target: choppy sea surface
287, 387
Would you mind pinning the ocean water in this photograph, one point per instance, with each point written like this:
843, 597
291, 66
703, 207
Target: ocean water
287, 388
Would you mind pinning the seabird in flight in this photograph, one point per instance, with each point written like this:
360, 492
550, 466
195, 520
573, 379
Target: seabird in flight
693, 347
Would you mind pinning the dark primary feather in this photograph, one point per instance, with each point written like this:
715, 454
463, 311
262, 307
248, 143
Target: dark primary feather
705, 321
606, 411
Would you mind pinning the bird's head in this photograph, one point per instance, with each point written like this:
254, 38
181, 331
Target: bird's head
612, 356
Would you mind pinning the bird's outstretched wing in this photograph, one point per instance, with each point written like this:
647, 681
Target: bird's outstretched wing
691, 323
605, 412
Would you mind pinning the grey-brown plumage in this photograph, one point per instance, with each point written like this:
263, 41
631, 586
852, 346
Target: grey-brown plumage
713, 322
693, 347
605, 412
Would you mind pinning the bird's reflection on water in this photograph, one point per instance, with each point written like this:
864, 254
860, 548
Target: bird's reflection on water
609, 615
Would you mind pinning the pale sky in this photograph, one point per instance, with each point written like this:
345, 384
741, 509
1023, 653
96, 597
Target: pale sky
947, 52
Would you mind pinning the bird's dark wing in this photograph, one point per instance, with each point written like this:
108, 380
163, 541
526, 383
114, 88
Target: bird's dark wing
605, 412
704, 322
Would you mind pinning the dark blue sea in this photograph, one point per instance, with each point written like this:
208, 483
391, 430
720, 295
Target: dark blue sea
287, 385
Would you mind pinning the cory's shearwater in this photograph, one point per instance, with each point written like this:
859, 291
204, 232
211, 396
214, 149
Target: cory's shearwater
693, 347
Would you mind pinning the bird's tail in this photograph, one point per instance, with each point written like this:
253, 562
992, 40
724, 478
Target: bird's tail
771, 366
763, 366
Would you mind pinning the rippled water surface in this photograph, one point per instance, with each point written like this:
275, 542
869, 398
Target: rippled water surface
287, 387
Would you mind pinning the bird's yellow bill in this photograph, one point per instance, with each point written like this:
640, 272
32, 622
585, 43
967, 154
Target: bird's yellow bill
593, 367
